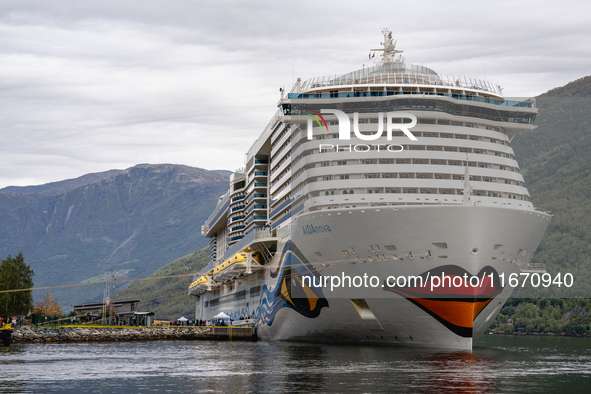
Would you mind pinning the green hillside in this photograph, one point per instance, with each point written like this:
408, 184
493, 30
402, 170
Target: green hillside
168, 298
556, 162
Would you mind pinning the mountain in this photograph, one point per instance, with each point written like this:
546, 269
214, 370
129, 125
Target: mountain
62, 186
555, 160
167, 297
122, 224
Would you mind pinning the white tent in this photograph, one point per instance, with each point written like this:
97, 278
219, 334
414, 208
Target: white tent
182, 318
222, 315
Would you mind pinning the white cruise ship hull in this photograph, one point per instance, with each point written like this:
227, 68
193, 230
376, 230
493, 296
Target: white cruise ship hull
479, 241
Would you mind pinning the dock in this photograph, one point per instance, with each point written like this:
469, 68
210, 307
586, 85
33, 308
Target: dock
126, 334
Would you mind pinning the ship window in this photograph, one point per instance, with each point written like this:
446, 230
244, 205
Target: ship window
342, 163
403, 175
327, 178
387, 175
344, 176
351, 192
371, 191
400, 161
447, 149
255, 291
324, 164
378, 190
438, 176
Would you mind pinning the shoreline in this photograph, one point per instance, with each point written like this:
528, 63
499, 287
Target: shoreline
111, 334
537, 334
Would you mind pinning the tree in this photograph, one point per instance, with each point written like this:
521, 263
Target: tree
15, 274
48, 307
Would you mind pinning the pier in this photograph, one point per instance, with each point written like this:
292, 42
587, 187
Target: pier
126, 334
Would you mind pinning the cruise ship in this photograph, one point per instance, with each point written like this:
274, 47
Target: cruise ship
367, 204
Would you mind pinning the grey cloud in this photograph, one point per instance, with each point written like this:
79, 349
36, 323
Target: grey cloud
87, 86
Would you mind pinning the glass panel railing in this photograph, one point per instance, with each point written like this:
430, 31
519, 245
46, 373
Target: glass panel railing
507, 103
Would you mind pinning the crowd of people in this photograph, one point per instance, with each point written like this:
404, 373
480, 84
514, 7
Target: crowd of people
14, 321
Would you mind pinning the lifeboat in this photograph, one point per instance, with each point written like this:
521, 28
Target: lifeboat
237, 265
204, 282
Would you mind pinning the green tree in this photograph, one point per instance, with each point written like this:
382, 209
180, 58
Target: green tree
15, 274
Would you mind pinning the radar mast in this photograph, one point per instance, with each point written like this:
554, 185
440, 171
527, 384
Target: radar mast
389, 49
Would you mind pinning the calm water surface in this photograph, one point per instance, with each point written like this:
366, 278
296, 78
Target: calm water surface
499, 364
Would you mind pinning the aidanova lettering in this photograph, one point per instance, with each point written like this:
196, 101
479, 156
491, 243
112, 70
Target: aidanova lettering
309, 229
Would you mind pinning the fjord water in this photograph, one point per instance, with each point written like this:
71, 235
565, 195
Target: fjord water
498, 364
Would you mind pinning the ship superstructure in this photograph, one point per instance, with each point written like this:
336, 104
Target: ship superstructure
385, 171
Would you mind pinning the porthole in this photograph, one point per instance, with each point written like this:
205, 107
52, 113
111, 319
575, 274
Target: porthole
475, 251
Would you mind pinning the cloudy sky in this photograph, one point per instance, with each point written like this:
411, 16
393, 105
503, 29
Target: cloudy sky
88, 86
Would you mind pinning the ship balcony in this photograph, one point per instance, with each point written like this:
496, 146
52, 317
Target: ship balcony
212, 247
238, 198
237, 218
238, 208
260, 173
235, 239
261, 161
260, 184
212, 254
260, 206
235, 228
259, 217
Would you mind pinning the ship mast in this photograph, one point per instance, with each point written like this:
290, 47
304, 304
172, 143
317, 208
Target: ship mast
389, 49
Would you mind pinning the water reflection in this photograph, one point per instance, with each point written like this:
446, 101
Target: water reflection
501, 365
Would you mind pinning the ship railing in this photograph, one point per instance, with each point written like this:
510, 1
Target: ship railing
373, 75
481, 99
539, 268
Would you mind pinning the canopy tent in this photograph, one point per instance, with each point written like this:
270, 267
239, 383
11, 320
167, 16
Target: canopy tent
182, 318
222, 315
